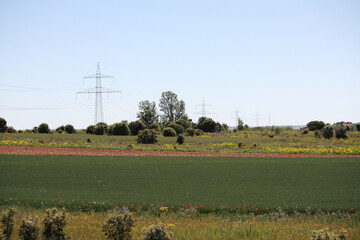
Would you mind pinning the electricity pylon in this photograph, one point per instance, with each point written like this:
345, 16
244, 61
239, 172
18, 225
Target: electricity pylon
203, 109
98, 90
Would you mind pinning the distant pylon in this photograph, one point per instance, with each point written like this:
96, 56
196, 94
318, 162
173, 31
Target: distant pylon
98, 90
203, 109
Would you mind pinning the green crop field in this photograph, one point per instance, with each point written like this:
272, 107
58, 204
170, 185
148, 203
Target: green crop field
287, 182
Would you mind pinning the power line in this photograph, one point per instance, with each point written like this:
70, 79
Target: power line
98, 90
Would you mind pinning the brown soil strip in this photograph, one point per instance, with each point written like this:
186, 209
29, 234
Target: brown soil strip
23, 150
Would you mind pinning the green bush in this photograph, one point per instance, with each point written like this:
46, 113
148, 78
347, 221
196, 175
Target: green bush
147, 136
54, 225
327, 132
43, 128
119, 227
169, 132
315, 125
7, 224
180, 139
177, 127
120, 129
206, 124
190, 132
11, 130
3, 126
198, 132
136, 126
29, 229
99, 130
60, 129
157, 232
340, 133
318, 134
90, 129
154, 126
358, 127
69, 129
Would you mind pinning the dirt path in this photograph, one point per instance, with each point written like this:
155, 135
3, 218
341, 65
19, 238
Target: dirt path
23, 150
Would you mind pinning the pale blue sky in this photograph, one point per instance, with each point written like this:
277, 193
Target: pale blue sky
297, 60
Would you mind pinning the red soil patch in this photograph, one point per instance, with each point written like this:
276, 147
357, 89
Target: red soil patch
23, 150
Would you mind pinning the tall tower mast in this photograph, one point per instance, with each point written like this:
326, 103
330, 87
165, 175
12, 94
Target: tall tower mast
98, 90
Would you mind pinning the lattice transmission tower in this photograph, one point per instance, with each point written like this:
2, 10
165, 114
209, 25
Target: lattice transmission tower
203, 109
98, 90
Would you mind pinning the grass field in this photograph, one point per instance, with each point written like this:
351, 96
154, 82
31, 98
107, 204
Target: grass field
286, 182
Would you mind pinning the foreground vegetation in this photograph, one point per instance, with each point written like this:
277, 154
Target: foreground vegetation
191, 225
248, 141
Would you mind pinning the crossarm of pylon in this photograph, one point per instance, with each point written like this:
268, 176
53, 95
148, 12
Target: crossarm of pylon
99, 90
99, 76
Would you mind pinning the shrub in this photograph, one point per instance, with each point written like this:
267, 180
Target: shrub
317, 134
3, 126
43, 128
90, 129
358, 127
327, 132
180, 139
119, 227
147, 136
169, 132
315, 125
190, 132
35, 130
54, 225
11, 130
178, 128
206, 124
154, 126
340, 133
7, 222
29, 229
198, 132
99, 130
120, 129
69, 129
136, 126
224, 127
305, 131
60, 129
157, 232
277, 130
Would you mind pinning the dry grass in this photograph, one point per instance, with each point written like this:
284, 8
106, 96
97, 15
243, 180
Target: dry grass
89, 226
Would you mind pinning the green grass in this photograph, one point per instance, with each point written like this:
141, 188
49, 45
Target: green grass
286, 182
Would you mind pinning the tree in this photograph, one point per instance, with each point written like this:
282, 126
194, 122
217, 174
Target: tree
147, 112
315, 125
60, 129
3, 126
172, 108
240, 125
43, 128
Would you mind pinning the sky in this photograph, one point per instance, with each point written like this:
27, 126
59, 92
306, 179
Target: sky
274, 62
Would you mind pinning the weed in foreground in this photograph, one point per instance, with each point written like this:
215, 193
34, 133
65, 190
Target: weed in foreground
54, 225
29, 229
119, 227
7, 222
